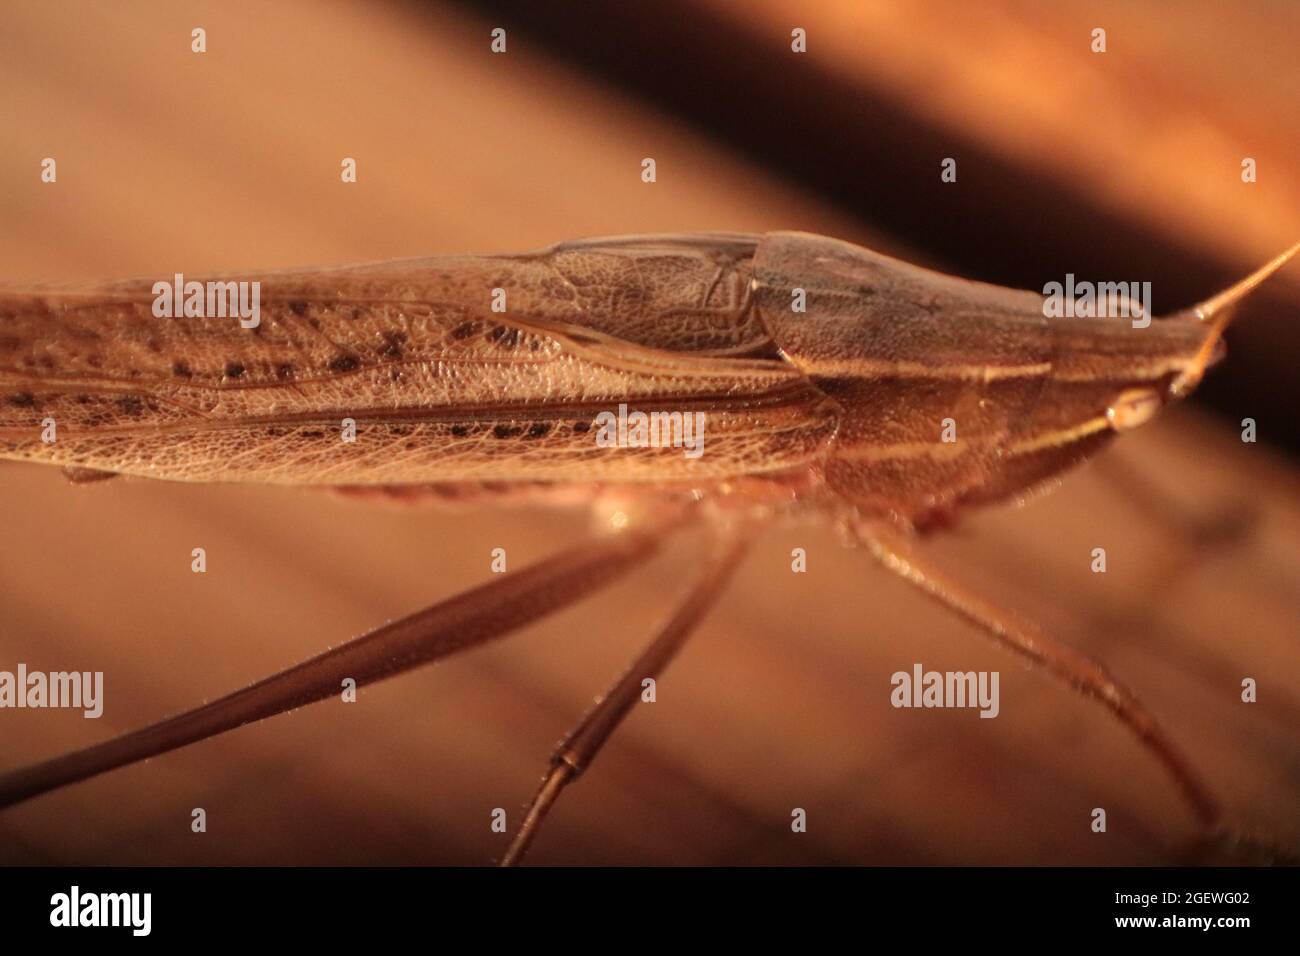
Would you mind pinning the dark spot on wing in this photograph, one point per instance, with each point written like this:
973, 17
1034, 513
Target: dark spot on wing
539, 430
505, 336
182, 370
581, 427
392, 347
234, 370
23, 399
298, 308
460, 431
131, 405
284, 371
507, 431
345, 363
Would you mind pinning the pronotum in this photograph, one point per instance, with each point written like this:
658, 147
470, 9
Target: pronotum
831, 382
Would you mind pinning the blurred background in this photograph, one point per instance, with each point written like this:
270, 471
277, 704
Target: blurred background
1119, 165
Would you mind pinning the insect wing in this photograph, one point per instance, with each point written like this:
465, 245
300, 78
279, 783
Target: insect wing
457, 368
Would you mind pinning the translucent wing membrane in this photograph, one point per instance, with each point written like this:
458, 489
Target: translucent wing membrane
440, 385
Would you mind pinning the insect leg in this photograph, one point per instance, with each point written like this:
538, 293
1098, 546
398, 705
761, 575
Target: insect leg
580, 747
1076, 669
457, 624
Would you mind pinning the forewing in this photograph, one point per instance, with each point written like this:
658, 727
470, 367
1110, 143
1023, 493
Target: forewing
440, 386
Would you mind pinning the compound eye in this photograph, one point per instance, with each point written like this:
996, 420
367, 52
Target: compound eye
1133, 407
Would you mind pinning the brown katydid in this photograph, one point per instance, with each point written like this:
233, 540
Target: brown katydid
822, 371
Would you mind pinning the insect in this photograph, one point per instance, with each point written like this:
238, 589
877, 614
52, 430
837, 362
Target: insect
822, 375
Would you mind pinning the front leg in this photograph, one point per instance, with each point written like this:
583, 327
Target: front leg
893, 550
